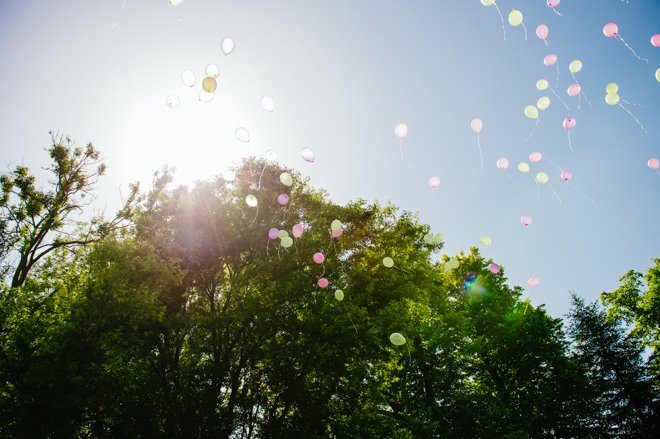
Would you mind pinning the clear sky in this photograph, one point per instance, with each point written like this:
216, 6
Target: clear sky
342, 74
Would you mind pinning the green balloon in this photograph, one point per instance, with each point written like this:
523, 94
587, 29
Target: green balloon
542, 84
286, 242
531, 112
339, 295
438, 237
335, 225
543, 103
575, 66
612, 88
429, 238
388, 262
282, 234
612, 99
397, 339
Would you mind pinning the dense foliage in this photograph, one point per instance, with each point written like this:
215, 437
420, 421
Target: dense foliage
181, 318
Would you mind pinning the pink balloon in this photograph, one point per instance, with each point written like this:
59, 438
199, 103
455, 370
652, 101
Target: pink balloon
477, 125
318, 257
337, 233
569, 123
297, 230
502, 163
535, 157
273, 233
653, 163
434, 182
283, 199
533, 281
553, 3
542, 31
566, 176
550, 60
494, 268
655, 40
611, 30
526, 220
322, 283
574, 90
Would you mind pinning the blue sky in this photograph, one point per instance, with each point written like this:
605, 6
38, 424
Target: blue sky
342, 74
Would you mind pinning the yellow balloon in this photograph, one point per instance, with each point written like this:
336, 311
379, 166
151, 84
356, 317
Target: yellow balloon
515, 17
209, 84
486, 241
397, 339
523, 167
575, 66
543, 103
388, 262
339, 295
612, 99
487, 2
612, 88
657, 75
542, 177
531, 112
542, 84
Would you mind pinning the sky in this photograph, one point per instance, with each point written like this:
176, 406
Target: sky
342, 74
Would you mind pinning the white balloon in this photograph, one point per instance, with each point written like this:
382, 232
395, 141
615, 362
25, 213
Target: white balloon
175, 2
212, 70
227, 45
206, 97
188, 78
267, 103
242, 134
251, 200
401, 130
172, 101
308, 155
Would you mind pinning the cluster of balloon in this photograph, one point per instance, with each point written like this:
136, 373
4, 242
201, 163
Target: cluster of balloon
552, 4
516, 19
543, 84
612, 98
494, 3
307, 155
653, 163
533, 281
575, 89
401, 131
611, 30
477, 125
569, 124
542, 32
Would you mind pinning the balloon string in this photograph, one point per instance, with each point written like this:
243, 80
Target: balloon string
403, 159
351, 318
533, 130
556, 12
546, 43
323, 265
570, 143
553, 163
557, 78
516, 181
559, 97
261, 175
630, 103
409, 356
555, 193
632, 50
585, 196
501, 19
634, 118
402, 270
121, 14
254, 220
538, 188
525, 29
481, 155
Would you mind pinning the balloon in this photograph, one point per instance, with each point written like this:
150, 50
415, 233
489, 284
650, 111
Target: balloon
487, 2
206, 97
531, 112
437, 238
428, 238
453, 263
397, 339
477, 125
282, 234
566, 176
434, 182
612, 88
307, 155
574, 90
188, 78
335, 225
339, 295
515, 17
653, 163
318, 257
533, 281
575, 66
550, 60
227, 45
267, 103
209, 84
502, 163
242, 134
271, 155
282, 199
611, 30
286, 242
553, 3
286, 179
273, 233
337, 233
212, 70
542, 31
542, 177
322, 283
172, 101
486, 241
612, 99
526, 220
655, 40
569, 123
494, 268
388, 262
535, 157
523, 167
175, 2
657, 75
543, 103
251, 200
298, 230
542, 84
401, 130
228, 175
